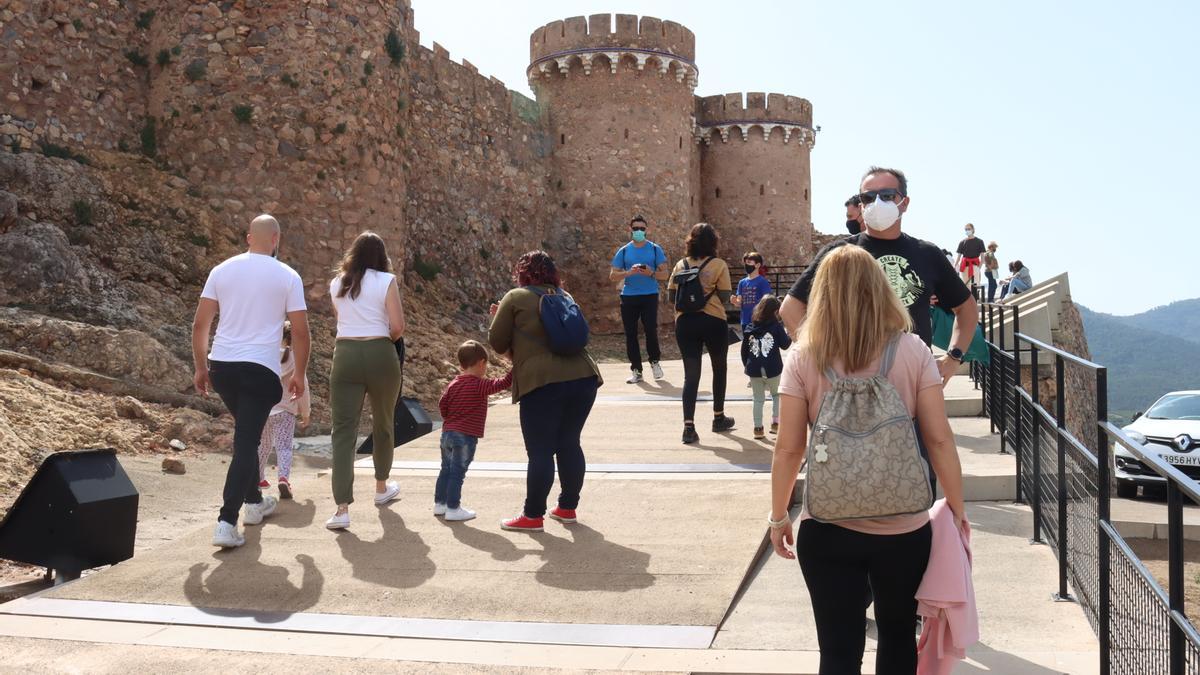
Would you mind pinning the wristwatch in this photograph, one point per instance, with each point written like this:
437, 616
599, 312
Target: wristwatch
956, 354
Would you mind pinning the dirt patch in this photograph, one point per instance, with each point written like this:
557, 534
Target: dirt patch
1153, 553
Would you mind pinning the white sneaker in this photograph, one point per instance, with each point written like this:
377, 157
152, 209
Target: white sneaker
338, 522
439, 509
392, 492
459, 514
635, 377
656, 370
227, 536
253, 514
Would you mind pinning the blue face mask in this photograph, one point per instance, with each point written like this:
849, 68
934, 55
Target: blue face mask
639, 235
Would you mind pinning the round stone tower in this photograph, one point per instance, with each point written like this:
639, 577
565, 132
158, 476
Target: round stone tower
619, 107
756, 174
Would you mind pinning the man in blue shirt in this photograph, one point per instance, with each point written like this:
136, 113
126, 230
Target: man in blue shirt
753, 288
640, 265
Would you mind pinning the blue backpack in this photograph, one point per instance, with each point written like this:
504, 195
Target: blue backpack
566, 329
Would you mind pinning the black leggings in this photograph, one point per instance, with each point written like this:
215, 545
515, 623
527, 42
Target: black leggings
838, 563
695, 332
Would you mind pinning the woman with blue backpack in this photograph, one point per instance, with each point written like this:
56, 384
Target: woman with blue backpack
554, 382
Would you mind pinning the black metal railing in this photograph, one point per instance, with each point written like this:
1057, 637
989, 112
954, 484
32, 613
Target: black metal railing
1067, 482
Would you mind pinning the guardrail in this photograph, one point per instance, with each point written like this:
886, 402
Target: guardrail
1067, 482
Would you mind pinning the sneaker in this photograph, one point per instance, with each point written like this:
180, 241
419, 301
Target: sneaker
656, 370
722, 423
439, 508
774, 427
285, 489
758, 434
391, 492
689, 435
562, 515
227, 536
522, 523
264, 484
338, 522
635, 377
459, 514
253, 514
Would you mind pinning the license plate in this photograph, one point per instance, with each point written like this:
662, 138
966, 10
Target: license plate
1182, 460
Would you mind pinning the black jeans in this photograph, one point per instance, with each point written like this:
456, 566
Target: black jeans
552, 418
643, 308
249, 391
696, 331
991, 279
838, 563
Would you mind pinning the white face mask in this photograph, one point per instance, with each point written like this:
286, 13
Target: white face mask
880, 215
969, 233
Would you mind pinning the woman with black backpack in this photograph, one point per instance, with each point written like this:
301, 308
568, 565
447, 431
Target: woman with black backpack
554, 381
700, 288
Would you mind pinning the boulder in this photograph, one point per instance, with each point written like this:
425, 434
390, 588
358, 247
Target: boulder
173, 465
130, 408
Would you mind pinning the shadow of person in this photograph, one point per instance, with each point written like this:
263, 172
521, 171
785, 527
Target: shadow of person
661, 388
500, 548
983, 659
589, 562
399, 558
749, 451
241, 586
295, 515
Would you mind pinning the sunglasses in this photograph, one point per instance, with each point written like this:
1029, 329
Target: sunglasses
638, 228
886, 194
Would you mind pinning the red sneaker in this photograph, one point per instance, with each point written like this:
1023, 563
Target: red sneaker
522, 523
285, 489
563, 515
263, 484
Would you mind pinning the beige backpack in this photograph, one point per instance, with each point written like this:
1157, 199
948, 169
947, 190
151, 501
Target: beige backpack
863, 458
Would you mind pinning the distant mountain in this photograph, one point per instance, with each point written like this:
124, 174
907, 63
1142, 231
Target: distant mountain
1143, 364
1181, 319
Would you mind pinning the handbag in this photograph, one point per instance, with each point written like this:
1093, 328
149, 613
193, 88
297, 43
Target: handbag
409, 422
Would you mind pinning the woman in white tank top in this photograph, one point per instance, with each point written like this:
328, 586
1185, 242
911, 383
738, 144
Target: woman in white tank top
366, 300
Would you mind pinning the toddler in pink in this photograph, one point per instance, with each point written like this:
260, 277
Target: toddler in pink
280, 429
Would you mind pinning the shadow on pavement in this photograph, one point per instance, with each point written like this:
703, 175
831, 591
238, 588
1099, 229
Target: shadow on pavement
398, 559
589, 562
240, 579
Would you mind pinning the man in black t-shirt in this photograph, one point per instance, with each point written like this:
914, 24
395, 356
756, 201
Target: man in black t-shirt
916, 269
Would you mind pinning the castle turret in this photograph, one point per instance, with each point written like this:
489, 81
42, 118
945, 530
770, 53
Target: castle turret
755, 173
620, 110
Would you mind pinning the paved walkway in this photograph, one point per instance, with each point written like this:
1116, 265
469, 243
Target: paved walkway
667, 571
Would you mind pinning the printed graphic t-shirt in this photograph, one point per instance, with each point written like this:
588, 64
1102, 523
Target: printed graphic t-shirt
913, 371
971, 247
750, 291
254, 293
915, 269
651, 255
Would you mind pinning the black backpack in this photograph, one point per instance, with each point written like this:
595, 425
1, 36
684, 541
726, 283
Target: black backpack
689, 291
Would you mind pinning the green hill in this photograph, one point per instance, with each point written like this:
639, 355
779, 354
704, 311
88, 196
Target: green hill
1180, 319
1143, 364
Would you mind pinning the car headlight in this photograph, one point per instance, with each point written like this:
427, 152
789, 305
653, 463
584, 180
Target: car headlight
1135, 436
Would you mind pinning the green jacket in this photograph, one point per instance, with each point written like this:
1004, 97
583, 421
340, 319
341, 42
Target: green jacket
517, 326
943, 325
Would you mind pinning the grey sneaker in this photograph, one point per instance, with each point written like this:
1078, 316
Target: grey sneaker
635, 377
253, 514
227, 536
656, 370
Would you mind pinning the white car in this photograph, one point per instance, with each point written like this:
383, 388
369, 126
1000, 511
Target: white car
1171, 429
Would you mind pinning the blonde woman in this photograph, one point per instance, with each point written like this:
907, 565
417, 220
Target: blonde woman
852, 316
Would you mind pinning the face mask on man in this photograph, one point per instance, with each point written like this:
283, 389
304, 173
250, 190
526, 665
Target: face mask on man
969, 233
639, 235
750, 269
880, 215
853, 224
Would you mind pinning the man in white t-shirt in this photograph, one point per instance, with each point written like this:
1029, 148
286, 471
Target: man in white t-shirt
254, 293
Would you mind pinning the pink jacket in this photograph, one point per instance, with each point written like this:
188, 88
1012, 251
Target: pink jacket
946, 597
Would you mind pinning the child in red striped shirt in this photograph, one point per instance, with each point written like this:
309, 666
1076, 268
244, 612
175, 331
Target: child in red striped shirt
464, 412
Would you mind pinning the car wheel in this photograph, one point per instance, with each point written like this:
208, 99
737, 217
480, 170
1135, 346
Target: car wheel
1126, 489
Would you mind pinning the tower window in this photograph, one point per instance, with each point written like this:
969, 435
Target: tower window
718, 193
562, 139
761, 191
681, 142
626, 134
693, 200
805, 194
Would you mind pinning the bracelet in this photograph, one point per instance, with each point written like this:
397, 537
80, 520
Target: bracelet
778, 524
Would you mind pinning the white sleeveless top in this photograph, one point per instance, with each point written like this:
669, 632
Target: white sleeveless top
366, 315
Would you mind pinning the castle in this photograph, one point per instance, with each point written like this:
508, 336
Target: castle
330, 115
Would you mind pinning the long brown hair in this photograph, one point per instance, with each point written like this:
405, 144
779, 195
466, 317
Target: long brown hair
852, 311
366, 253
702, 242
287, 341
766, 311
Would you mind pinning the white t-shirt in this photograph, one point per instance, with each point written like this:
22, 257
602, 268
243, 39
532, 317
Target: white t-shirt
366, 315
254, 293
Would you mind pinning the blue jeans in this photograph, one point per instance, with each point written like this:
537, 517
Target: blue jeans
458, 451
552, 418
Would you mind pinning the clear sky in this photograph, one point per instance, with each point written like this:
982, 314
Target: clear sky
1065, 131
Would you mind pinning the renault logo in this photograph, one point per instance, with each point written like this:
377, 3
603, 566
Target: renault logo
1183, 442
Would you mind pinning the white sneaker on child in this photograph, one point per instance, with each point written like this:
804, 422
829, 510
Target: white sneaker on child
459, 514
439, 509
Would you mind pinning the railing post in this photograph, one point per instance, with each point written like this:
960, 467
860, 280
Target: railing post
1103, 514
1175, 595
1060, 416
1035, 435
989, 386
1018, 447
1001, 397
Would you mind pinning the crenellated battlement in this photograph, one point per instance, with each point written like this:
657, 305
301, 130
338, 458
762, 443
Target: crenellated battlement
596, 43
721, 114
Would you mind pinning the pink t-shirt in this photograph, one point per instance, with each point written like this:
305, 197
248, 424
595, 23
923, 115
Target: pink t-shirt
914, 369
